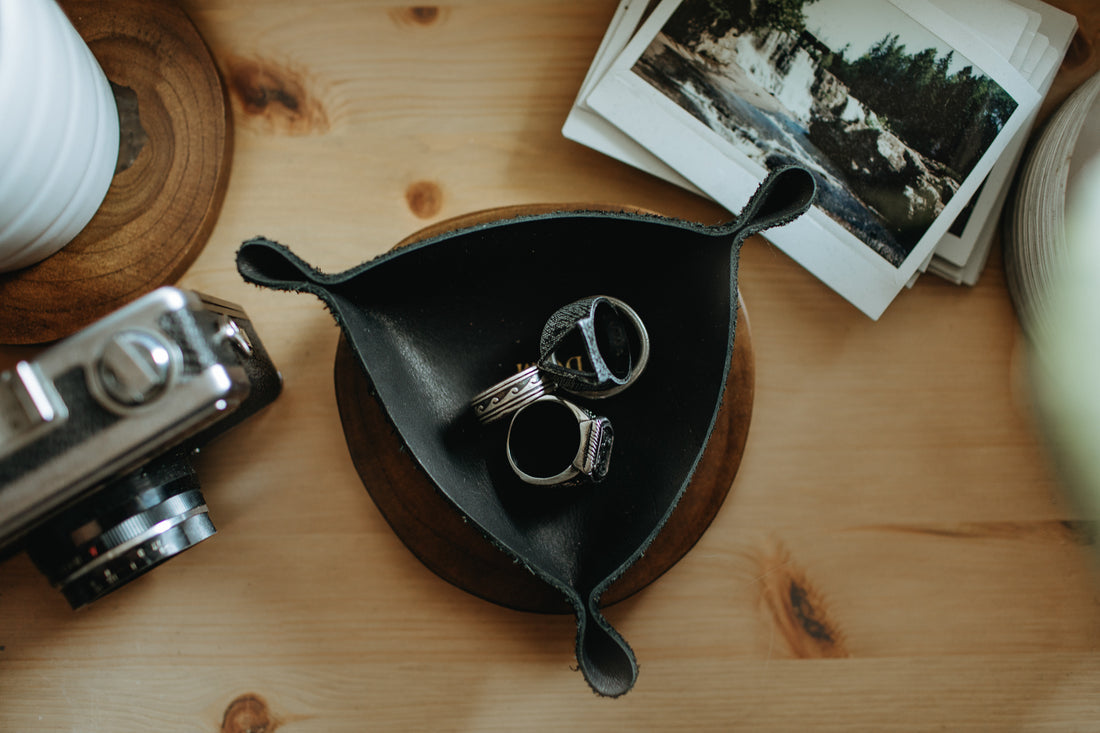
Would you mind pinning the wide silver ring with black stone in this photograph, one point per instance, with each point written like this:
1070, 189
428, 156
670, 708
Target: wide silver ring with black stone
609, 335
553, 442
510, 395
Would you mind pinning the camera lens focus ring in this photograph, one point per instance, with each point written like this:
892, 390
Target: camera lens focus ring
123, 531
133, 528
137, 555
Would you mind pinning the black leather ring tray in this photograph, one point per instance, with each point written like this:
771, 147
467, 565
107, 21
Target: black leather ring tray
437, 321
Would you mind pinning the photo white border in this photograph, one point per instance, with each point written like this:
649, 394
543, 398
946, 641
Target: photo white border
587, 127
959, 258
965, 254
816, 241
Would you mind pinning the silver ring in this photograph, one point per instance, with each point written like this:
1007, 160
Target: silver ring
639, 365
510, 395
643, 346
552, 442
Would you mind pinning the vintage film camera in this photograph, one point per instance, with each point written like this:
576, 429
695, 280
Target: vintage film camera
96, 436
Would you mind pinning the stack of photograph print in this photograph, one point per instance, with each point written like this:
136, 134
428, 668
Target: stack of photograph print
911, 114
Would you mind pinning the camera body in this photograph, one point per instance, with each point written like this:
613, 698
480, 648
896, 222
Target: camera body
97, 432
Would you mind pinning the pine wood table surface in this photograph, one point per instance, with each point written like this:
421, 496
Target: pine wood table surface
895, 552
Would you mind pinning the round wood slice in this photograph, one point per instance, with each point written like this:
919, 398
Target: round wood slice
168, 188
429, 525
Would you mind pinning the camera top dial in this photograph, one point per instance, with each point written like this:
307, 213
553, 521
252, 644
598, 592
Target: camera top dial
134, 368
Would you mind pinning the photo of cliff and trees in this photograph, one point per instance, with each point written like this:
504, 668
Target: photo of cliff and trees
889, 118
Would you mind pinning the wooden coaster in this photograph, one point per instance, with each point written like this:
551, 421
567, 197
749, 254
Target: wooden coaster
172, 176
452, 548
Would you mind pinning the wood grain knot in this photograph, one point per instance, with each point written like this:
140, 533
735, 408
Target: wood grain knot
249, 714
809, 615
798, 609
417, 15
424, 14
132, 136
1082, 531
275, 96
425, 199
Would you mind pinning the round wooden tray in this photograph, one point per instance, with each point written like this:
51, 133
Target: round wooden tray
435, 532
168, 188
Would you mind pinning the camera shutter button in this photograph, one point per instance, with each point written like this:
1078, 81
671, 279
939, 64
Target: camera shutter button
134, 368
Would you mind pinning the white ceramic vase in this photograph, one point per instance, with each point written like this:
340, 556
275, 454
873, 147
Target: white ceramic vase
59, 132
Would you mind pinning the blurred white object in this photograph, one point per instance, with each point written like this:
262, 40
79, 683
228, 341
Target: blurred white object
1035, 231
59, 132
1065, 359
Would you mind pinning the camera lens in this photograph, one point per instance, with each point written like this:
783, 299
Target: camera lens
122, 531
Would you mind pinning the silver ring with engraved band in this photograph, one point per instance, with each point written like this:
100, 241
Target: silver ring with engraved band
510, 395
